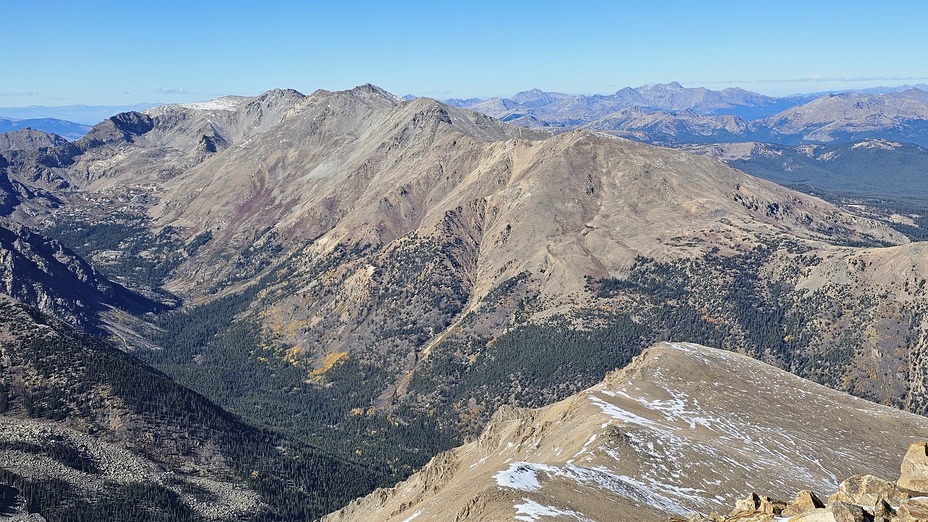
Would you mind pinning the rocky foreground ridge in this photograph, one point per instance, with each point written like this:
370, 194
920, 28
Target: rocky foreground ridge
861, 498
683, 429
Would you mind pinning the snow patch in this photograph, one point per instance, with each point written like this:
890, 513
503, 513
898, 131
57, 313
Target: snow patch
522, 476
586, 446
877, 144
532, 511
619, 414
414, 515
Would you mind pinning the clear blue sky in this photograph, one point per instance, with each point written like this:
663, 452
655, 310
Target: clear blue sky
102, 52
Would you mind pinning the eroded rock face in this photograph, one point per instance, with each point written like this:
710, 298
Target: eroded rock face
815, 515
914, 471
756, 504
882, 511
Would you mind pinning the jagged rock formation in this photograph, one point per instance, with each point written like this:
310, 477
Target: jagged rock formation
861, 498
43, 273
683, 428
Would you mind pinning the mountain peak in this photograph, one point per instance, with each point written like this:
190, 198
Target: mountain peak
28, 138
371, 92
531, 92
672, 86
123, 127
281, 94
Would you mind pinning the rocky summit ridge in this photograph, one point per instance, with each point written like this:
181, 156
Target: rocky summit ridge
860, 498
682, 429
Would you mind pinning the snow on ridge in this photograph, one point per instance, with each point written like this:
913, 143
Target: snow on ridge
703, 351
226, 103
414, 515
876, 143
532, 511
522, 476
619, 414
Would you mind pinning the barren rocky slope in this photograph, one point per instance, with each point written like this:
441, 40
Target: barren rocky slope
28, 139
45, 274
682, 429
860, 498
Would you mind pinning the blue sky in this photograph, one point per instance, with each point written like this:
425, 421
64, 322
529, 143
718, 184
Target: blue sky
110, 53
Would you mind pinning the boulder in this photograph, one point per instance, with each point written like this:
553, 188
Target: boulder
815, 515
865, 490
882, 511
914, 471
757, 504
913, 510
847, 512
805, 501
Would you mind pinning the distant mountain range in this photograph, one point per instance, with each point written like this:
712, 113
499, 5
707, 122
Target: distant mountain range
663, 114
63, 128
68, 121
83, 114
671, 114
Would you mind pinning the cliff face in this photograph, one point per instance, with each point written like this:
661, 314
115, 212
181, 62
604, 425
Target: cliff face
43, 273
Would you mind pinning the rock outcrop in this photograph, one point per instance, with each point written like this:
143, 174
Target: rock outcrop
914, 473
860, 498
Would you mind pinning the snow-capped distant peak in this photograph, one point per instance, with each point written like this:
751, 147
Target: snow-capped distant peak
877, 144
226, 103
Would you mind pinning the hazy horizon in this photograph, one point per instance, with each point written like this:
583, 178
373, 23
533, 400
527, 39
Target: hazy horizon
121, 53
848, 88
